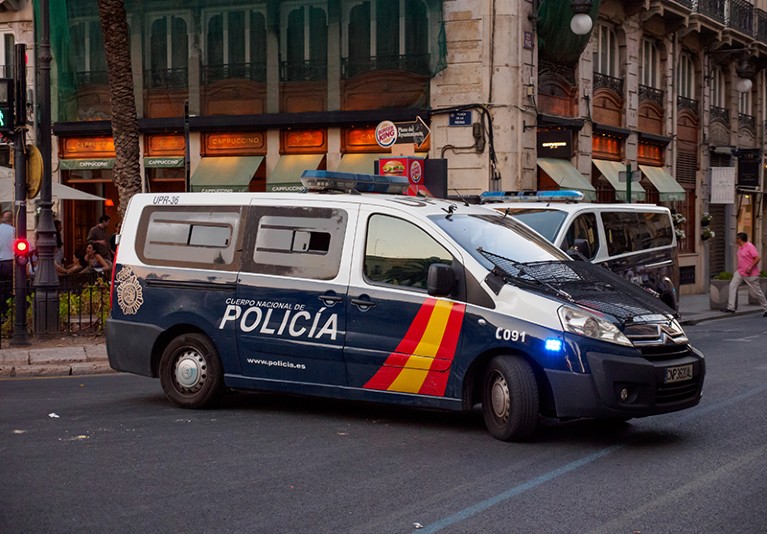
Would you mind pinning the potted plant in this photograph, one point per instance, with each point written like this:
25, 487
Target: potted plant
705, 219
762, 284
719, 290
707, 233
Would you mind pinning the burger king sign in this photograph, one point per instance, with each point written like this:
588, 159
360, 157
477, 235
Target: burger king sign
386, 134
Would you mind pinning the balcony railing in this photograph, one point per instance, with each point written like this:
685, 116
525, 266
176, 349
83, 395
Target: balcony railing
685, 3
747, 122
741, 16
417, 64
166, 79
652, 94
96, 77
303, 71
246, 71
687, 103
720, 114
714, 9
608, 82
761, 25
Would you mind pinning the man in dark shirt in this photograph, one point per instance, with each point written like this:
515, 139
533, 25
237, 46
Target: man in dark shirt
99, 238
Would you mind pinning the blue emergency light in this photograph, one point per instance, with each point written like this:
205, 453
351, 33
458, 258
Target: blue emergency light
347, 182
564, 195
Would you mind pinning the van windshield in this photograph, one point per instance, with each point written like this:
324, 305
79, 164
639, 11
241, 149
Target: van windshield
503, 236
545, 222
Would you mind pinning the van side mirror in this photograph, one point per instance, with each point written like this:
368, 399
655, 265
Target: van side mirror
580, 250
441, 280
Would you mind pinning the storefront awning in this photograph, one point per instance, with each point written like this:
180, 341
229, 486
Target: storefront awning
286, 176
359, 163
668, 188
567, 176
86, 164
168, 162
225, 174
610, 170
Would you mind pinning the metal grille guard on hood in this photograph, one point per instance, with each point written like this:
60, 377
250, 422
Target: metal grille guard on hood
583, 283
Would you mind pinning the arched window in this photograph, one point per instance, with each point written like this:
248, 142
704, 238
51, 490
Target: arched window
304, 41
168, 51
235, 44
387, 35
649, 73
718, 89
686, 77
88, 52
606, 51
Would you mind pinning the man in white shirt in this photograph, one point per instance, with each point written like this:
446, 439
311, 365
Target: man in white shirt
7, 236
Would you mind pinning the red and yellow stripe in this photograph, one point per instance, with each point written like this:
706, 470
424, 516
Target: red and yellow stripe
421, 362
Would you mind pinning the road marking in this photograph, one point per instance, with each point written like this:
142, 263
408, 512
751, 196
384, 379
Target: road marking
481, 506
706, 481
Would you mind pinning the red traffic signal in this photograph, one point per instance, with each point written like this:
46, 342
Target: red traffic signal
21, 248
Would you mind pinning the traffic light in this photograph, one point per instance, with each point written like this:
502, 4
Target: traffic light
6, 105
21, 251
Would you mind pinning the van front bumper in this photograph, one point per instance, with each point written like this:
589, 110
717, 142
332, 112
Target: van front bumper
627, 386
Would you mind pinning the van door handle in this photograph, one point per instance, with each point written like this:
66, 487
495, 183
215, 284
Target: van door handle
329, 300
363, 303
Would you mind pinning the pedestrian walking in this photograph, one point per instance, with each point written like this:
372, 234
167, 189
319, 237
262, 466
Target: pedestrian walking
7, 235
99, 237
748, 272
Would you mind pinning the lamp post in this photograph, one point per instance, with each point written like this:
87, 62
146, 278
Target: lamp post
46, 279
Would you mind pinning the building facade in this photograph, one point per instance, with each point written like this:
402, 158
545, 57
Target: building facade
244, 95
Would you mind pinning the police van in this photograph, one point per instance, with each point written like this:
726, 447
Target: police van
386, 298
637, 241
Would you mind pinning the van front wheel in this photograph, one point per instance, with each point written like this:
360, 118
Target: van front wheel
190, 371
510, 399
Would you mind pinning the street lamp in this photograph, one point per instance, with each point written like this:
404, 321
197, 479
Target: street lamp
745, 71
581, 22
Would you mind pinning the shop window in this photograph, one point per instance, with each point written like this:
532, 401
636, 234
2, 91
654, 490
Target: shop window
235, 45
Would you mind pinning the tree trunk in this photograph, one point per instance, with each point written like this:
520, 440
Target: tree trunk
127, 170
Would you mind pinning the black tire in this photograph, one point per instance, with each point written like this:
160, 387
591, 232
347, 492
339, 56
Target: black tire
190, 372
510, 399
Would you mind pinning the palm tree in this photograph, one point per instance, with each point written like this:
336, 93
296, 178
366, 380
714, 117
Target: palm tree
127, 170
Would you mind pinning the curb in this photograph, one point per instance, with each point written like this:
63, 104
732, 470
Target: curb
719, 315
58, 361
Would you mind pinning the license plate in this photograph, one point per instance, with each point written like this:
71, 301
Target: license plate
678, 374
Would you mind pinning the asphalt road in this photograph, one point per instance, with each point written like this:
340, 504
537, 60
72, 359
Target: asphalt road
109, 454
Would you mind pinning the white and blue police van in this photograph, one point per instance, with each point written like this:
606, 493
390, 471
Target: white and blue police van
637, 241
386, 298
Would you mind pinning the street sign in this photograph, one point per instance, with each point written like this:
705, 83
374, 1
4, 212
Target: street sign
389, 133
636, 176
460, 118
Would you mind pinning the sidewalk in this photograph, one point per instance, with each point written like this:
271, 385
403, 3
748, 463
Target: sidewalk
59, 358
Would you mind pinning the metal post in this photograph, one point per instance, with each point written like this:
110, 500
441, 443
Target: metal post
187, 150
46, 279
20, 269
628, 182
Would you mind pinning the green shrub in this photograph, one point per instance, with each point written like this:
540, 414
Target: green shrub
724, 275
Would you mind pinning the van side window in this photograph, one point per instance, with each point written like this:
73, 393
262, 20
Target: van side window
583, 227
636, 231
399, 253
298, 242
189, 236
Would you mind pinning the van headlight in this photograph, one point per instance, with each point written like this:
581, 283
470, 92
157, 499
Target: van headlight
580, 322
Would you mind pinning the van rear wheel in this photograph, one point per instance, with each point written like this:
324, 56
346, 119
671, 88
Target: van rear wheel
190, 371
510, 399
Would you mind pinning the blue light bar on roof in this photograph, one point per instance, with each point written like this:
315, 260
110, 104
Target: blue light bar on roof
347, 182
564, 195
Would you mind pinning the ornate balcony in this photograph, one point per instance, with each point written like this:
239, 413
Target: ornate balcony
246, 71
747, 122
761, 26
720, 114
608, 82
652, 94
713, 9
741, 17
687, 103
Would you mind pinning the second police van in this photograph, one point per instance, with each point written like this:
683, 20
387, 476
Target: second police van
386, 298
637, 241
